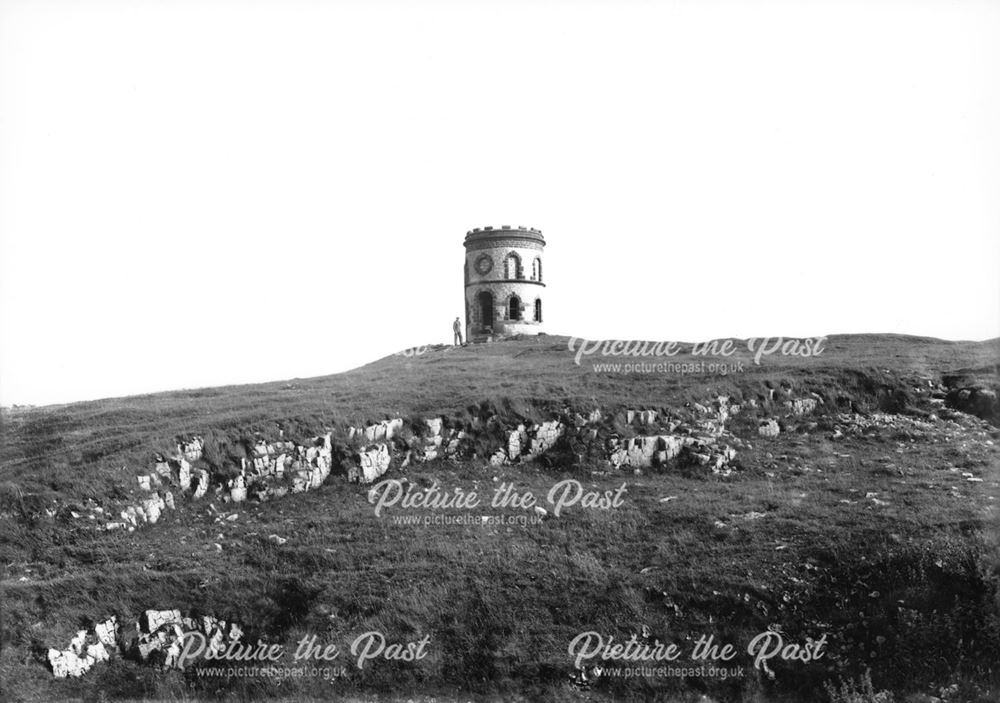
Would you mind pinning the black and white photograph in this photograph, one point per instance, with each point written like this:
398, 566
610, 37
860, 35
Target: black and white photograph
488, 352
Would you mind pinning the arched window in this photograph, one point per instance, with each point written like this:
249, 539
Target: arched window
536, 269
514, 308
538, 308
512, 266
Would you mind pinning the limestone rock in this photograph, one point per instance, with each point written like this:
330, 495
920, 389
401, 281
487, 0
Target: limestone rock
107, 631
153, 620
768, 428
238, 489
68, 664
153, 507
191, 450
156, 637
372, 463
801, 406
184, 473
515, 441
545, 435
200, 482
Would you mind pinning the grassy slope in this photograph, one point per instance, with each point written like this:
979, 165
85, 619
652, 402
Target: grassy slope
502, 603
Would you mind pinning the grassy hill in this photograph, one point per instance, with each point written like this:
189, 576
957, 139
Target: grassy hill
859, 520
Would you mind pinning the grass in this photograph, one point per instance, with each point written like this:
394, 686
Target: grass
501, 603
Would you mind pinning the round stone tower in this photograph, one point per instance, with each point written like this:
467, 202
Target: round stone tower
503, 282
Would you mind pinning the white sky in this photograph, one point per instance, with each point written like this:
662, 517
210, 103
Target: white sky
204, 193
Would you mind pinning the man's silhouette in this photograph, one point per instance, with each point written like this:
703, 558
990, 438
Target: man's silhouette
456, 327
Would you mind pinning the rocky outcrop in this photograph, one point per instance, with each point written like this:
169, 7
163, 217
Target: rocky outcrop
85, 650
372, 463
650, 451
274, 470
155, 638
200, 483
191, 449
768, 428
527, 442
544, 437
148, 511
438, 442
801, 406
656, 438
641, 417
380, 432
976, 400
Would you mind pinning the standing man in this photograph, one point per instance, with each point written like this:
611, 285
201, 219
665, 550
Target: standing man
456, 327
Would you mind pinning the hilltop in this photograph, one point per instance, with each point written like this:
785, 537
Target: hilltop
781, 493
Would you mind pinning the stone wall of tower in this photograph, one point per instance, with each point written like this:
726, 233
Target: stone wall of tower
503, 263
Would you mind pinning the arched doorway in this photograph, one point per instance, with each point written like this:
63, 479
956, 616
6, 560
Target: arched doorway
485, 299
514, 308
